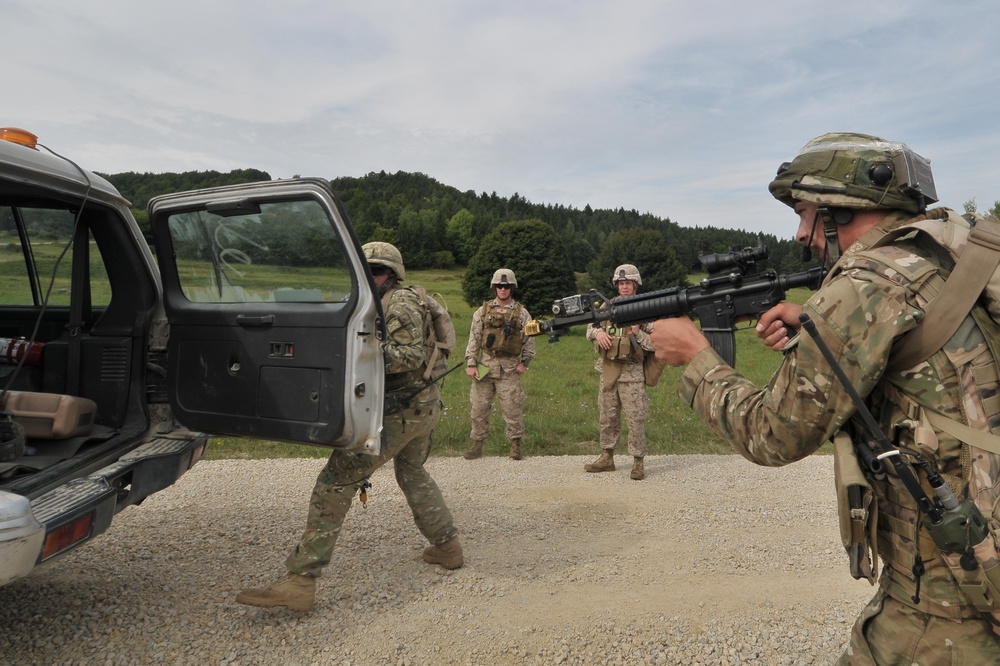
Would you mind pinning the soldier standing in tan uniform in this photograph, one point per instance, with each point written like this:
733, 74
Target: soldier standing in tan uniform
497, 341
860, 200
410, 417
623, 385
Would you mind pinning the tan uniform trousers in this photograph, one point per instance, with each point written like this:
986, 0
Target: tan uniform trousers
509, 392
408, 443
629, 398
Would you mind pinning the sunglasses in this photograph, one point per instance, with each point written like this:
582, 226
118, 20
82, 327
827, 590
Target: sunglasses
503, 286
380, 270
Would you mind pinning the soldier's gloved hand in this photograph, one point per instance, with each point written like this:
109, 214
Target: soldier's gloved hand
392, 404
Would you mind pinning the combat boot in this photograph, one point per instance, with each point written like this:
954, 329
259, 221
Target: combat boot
605, 463
515, 449
475, 452
638, 471
294, 592
447, 554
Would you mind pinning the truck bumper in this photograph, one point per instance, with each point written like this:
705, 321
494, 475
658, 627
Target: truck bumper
32, 532
21, 537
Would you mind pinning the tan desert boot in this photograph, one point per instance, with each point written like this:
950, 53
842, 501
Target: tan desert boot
448, 554
638, 471
294, 592
475, 452
515, 449
605, 463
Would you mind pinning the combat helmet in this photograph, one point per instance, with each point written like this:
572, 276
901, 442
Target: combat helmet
626, 272
856, 171
503, 276
379, 253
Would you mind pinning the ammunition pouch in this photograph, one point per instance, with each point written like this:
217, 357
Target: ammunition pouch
856, 508
624, 348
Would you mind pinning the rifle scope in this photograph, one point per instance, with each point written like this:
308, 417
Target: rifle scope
735, 258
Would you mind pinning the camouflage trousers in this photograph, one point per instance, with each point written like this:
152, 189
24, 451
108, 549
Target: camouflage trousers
509, 392
888, 632
627, 398
407, 438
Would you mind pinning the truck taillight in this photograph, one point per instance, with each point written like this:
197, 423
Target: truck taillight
67, 536
19, 136
198, 453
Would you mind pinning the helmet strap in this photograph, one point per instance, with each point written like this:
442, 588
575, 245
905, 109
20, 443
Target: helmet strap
807, 253
390, 283
833, 218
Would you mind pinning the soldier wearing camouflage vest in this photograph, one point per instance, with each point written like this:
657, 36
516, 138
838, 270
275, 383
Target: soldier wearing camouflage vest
411, 415
621, 352
497, 355
859, 199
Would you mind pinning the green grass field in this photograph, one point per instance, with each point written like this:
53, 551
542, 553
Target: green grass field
561, 415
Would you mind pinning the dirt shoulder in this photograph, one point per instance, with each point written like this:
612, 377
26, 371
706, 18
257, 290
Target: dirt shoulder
710, 560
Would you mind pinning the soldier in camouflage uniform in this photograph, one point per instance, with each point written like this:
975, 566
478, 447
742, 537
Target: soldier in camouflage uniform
849, 190
407, 429
497, 341
623, 384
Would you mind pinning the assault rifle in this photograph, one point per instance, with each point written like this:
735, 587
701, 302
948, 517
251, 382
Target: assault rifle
736, 288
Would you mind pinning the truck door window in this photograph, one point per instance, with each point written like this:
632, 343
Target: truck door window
287, 252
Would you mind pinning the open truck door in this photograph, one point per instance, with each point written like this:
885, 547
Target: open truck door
274, 326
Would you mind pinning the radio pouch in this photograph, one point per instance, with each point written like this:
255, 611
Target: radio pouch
857, 509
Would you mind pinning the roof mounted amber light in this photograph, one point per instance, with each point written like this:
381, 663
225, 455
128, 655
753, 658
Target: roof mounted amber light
19, 136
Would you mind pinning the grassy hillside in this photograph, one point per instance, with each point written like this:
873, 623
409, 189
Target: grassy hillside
561, 414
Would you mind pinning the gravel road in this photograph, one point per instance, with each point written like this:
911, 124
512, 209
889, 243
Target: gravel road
709, 561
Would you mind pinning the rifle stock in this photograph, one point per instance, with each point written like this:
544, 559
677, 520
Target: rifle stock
734, 289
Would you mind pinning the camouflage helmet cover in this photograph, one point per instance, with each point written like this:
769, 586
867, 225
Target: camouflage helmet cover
503, 276
626, 272
385, 254
859, 171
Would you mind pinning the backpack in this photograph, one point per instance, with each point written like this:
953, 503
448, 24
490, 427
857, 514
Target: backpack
973, 242
439, 334
439, 338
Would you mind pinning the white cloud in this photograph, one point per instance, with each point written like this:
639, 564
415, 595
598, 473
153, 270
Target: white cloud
676, 108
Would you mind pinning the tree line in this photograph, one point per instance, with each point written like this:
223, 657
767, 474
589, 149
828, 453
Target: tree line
558, 246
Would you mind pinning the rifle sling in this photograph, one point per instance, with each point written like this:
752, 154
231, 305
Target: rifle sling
946, 313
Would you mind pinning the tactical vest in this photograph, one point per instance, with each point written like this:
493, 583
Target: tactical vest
503, 333
625, 348
878, 515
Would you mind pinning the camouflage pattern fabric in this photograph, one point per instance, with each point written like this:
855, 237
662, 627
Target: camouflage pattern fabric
623, 391
888, 632
866, 302
407, 442
502, 381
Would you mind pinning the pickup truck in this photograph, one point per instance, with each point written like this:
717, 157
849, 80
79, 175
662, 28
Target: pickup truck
258, 319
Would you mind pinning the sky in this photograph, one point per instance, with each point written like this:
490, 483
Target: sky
681, 109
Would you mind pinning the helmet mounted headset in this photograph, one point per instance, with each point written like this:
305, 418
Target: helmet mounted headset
843, 172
